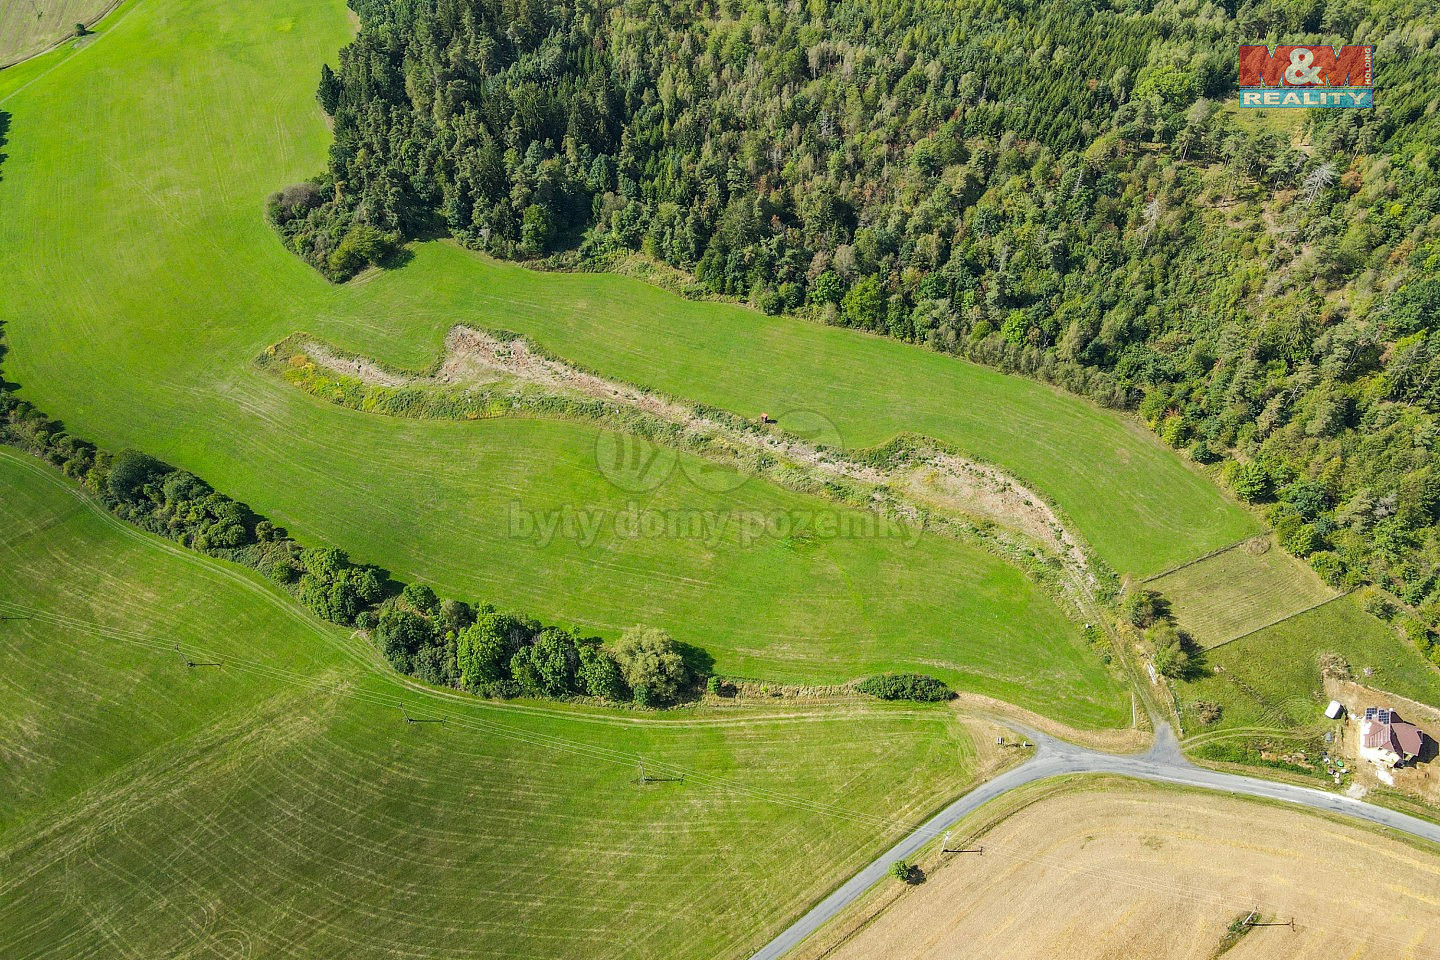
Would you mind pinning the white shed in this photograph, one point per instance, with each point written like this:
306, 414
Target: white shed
1334, 710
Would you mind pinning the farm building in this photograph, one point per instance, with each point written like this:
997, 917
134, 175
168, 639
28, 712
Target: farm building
1334, 710
1386, 740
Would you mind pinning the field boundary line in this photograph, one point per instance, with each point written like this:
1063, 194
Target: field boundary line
1200, 559
1288, 616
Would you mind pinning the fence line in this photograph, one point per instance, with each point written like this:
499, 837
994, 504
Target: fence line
1200, 559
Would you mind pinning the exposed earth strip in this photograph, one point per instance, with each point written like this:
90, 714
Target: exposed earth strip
930, 476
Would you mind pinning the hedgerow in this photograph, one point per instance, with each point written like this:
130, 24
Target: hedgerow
906, 686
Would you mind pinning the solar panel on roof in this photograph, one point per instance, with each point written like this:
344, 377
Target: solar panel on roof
1384, 715
1370, 713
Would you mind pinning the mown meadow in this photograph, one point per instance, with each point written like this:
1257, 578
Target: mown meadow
163, 219
1270, 681
1252, 585
144, 282
272, 800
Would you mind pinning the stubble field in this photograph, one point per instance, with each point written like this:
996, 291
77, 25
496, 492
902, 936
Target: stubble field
1120, 869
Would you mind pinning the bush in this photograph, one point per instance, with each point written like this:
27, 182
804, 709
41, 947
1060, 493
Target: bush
1141, 608
421, 597
650, 661
1378, 605
599, 674
905, 872
131, 471
1175, 431
1202, 452
1208, 712
485, 648
334, 587
1250, 481
400, 635
770, 301
1303, 540
547, 667
363, 246
906, 686
1329, 566
1175, 655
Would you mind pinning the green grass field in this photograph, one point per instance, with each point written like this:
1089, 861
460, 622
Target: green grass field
1271, 679
1230, 594
145, 288
143, 280
278, 805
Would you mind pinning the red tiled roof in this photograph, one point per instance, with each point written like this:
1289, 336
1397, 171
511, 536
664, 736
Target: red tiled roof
1404, 739
1374, 734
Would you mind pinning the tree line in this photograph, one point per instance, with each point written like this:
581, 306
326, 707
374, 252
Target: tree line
444, 642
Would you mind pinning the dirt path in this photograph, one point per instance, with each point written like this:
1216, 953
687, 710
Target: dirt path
930, 478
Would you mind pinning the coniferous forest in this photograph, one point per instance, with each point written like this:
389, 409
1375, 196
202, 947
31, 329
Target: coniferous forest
1063, 190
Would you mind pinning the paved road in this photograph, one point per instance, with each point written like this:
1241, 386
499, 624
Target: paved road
1163, 762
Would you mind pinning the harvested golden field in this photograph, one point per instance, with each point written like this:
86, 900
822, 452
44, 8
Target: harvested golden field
29, 26
1111, 869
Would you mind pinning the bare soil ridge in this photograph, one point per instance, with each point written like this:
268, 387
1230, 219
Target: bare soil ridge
926, 475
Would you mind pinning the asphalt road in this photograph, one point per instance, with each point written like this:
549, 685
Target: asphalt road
1053, 758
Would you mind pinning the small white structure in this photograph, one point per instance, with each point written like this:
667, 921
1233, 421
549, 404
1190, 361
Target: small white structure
1334, 710
1386, 740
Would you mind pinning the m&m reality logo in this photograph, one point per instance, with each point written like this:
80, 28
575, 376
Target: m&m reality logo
1306, 76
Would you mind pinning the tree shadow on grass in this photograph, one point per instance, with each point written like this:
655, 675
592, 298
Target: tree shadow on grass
397, 258
4, 138
699, 664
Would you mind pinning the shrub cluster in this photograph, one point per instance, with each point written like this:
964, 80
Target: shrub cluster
1173, 651
304, 215
906, 686
500, 655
